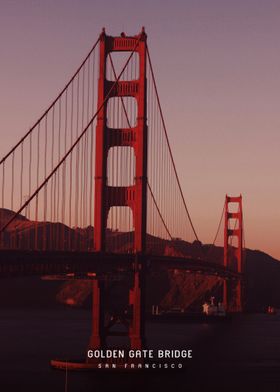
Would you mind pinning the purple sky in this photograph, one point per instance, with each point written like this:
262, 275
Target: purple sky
217, 65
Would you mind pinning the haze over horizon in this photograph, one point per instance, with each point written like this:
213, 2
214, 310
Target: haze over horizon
217, 71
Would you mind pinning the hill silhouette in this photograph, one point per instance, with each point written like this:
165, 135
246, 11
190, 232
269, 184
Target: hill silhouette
164, 287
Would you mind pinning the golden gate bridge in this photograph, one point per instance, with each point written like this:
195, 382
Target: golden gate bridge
92, 189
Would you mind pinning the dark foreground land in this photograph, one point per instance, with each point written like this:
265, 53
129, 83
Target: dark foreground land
243, 355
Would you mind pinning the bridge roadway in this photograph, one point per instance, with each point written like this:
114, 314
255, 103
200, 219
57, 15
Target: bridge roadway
31, 263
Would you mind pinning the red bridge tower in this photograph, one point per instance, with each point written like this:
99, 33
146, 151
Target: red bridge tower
134, 196
233, 258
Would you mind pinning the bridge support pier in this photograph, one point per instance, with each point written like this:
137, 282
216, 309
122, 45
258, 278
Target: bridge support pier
97, 338
136, 322
137, 302
232, 295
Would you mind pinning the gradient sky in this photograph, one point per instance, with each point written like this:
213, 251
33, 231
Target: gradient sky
217, 65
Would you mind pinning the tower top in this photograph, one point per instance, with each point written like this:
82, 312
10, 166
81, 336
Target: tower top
142, 34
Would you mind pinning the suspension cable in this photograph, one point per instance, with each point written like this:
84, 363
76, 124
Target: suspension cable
158, 210
219, 225
75, 143
51, 105
168, 143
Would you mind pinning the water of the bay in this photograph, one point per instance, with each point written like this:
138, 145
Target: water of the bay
241, 355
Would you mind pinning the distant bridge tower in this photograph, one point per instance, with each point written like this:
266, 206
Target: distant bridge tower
232, 296
133, 196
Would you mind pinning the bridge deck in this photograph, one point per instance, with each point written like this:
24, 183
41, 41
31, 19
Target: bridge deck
28, 263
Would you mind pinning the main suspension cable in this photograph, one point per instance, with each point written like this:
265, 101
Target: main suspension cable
168, 144
74, 145
51, 105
